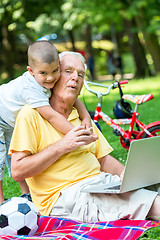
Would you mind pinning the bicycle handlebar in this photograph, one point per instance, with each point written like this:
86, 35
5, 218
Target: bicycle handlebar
109, 87
123, 82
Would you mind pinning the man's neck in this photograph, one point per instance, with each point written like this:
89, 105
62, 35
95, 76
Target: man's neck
63, 106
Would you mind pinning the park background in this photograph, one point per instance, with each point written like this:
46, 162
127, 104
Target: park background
126, 28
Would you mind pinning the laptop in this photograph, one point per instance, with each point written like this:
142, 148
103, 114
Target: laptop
142, 168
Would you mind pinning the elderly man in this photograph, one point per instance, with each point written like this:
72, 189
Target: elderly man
57, 167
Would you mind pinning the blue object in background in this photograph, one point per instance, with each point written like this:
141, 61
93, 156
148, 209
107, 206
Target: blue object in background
48, 37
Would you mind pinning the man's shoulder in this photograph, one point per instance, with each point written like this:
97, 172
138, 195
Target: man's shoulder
26, 111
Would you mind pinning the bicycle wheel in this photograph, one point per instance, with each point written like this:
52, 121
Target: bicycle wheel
155, 131
125, 144
91, 114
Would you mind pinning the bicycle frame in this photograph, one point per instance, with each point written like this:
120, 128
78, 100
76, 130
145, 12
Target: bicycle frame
114, 123
126, 136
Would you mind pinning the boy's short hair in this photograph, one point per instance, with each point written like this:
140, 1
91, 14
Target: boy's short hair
43, 51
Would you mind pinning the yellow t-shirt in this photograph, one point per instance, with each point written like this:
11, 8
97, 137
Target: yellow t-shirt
33, 133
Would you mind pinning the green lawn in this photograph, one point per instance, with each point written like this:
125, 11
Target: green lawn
149, 112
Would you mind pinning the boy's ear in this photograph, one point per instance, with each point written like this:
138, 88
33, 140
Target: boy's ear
30, 70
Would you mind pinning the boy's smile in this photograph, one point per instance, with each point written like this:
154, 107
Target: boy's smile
46, 74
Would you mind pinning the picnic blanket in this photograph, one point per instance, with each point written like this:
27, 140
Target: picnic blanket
65, 229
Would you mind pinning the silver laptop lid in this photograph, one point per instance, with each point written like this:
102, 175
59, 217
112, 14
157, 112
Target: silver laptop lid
142, 168
143, 164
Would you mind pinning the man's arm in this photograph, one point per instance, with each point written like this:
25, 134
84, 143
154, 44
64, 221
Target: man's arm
110, 165
24, 164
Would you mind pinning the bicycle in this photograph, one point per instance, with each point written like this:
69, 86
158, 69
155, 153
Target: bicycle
126, 136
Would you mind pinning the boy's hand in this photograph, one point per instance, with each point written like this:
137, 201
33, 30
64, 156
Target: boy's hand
86, 122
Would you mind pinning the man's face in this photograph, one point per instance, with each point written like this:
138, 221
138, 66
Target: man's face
46, 74
72, 73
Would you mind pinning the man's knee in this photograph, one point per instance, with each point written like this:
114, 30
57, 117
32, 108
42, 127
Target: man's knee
154, 212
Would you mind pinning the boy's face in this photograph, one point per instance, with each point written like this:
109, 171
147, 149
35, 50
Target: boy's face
45, 74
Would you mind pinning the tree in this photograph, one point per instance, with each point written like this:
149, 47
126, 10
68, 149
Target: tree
16, 17
76, 20
10, 11
76, 17
142, 68
146, 20
145, 14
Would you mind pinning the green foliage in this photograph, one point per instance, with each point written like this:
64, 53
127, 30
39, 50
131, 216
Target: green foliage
11, 14
145, 11
36, 18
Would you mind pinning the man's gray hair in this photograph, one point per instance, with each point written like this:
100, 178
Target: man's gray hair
79, 55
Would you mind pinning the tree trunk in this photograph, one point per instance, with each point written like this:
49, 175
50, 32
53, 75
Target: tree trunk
90, 52
151, 41
8, 51
71, 35
154, 49
142, 68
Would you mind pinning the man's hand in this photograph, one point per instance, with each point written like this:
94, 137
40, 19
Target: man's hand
77, 137
122, 175
25, 164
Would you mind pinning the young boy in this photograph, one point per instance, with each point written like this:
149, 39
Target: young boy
33, 88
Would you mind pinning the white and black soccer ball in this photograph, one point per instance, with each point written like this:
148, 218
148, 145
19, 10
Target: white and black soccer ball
18, 216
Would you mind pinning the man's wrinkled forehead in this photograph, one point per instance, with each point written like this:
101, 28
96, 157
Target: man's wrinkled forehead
72, 61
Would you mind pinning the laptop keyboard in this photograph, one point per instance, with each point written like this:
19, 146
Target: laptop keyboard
113, 187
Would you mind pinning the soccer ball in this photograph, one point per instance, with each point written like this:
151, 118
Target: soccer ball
18, 216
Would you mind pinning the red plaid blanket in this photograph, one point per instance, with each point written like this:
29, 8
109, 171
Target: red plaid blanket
65, 229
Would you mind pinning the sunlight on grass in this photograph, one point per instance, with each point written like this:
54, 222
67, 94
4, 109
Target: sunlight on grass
148, 111
10, 187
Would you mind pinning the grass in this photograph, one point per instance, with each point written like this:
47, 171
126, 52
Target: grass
10, 187
149, 112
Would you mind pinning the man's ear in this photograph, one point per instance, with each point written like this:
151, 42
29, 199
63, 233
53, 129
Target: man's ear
30, 70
